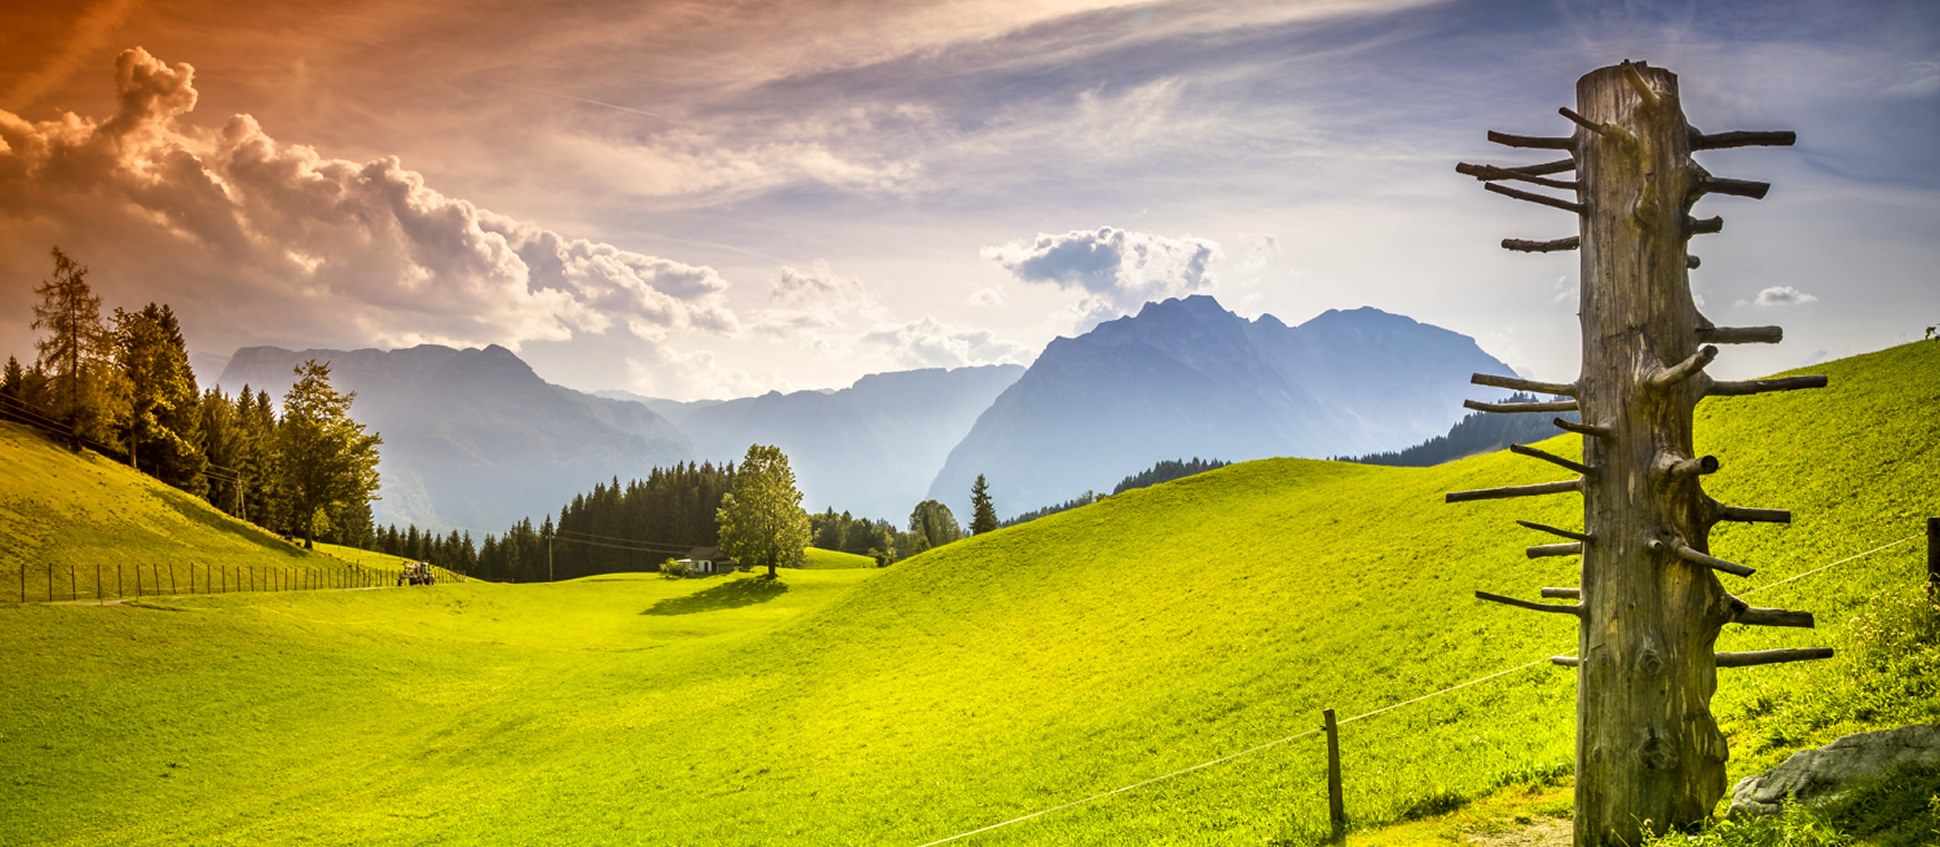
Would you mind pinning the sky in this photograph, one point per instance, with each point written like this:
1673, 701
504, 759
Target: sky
715, 199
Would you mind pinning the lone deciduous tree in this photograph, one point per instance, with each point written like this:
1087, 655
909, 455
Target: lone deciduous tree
761, 518
329, 461
932, 525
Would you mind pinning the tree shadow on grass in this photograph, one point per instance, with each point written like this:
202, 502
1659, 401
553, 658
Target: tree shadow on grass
727, 595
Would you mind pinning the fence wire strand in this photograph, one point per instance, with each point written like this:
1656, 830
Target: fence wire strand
1368, 714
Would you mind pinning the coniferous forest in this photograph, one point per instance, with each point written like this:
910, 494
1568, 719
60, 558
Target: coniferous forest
124, 387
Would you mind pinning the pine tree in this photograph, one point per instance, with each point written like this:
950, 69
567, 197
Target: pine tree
983, 517
159, 431
218, 435
14, 380
85, 391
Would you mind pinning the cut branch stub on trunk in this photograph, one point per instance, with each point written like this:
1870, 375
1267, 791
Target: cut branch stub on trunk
1536, 490
1540, 199
1684, 370
1743, 138
1761, 386
1703, 226
1541, 527
1695, 557
1754, 616
1734, 187
1528, 604
1567, 548
1741, 334
1516, 383
1541, 406
1552, 458
1681, 467
1579, 428
1772, 657
1523, 245
1742, 514
1536, 142
1491, 173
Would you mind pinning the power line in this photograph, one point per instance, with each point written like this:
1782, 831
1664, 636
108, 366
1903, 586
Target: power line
660, 551
584, 534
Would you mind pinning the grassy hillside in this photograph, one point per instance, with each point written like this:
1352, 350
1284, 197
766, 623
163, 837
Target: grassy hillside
821, 559
1005, 674
87, 512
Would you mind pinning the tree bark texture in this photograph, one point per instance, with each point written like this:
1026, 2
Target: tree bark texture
1649, 755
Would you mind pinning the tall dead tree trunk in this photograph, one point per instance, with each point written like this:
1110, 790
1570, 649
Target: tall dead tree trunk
1649, 756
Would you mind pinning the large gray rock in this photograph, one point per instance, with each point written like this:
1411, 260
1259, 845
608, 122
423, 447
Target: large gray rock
1811, 775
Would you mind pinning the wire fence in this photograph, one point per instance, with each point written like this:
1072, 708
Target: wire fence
54, 583
1257, 748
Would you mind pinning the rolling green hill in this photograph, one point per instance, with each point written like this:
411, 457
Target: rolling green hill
1002, 675
93, 515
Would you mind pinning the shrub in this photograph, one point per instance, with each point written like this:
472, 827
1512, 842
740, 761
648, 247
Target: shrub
676, 569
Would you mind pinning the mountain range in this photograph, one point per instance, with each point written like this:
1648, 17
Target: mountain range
474, 439
1187, 378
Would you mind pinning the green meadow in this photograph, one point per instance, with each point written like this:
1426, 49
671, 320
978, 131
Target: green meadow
1002, 675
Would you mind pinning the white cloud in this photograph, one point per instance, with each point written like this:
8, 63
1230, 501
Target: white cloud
292, 244
1783, 295
818, 309
1257, 250
929, 343
1116, 271
987, 297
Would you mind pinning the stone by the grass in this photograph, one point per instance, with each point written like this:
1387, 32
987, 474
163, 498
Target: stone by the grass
1811, 775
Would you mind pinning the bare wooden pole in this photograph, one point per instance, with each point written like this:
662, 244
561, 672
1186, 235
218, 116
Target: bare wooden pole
1933, 559
1649, 755
1336, 799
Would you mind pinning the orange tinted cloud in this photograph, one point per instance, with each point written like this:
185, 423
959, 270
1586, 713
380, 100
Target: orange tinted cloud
283, 242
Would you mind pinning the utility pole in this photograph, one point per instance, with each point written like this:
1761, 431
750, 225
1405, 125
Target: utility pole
1649, 755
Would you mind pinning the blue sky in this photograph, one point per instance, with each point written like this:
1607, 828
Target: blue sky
705, 199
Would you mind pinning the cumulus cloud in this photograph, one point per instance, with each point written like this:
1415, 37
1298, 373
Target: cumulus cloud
1783, 295
1114, 270
280, 236
815, 307
929, 343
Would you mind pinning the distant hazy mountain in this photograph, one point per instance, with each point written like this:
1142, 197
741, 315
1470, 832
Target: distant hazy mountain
1188, 378
669, 409
870, 449
473, 439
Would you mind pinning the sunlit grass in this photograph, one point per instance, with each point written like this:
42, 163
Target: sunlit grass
997, 676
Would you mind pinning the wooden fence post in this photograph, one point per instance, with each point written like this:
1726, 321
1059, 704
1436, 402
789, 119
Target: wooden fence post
1933, 560
73, 583
1336, 803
